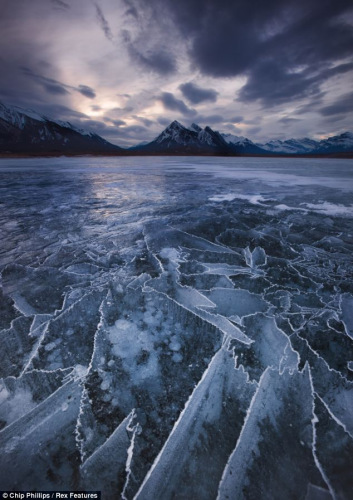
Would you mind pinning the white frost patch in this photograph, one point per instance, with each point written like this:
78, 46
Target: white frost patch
330, 208
170, 254
282, 206
254, 199
129, 343
14, 406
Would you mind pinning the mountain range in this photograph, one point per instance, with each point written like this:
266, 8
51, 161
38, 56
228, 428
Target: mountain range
27, 132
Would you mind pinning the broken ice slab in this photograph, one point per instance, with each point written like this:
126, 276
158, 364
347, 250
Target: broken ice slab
158, 236
8, 312
225, 269
36, 290
256, 257
277, 433
17, 346
39, 448
204, 435
334, 451
347, 313
19, 396
317, 493
69, 338
270, 347
105, 469
203, 257
335, 347
205, 282
236, 302
141, 353
197, 303
335, 390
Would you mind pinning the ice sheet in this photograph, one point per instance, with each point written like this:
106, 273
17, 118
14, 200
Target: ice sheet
167, 321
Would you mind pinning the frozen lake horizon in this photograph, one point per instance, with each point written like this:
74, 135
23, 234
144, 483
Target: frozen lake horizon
177, 327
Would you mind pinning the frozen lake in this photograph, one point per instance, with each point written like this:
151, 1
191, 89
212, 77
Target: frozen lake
177, 328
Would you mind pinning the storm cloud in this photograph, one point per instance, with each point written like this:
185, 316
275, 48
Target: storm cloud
343, 105
173, 104
151, 58
55, 87
103, 23
284, 49
196, 94
60, 4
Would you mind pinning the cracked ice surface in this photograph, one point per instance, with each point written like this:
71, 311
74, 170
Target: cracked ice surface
177, 328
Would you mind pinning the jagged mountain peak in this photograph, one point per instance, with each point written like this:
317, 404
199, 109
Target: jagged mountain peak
176, 125
178, 139
195, 127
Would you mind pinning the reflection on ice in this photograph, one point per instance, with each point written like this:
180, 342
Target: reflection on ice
177, 328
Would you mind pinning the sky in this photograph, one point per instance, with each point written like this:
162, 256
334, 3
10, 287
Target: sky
125, 69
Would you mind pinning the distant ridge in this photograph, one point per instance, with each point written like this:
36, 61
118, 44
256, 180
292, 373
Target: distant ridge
26, 132
176, 139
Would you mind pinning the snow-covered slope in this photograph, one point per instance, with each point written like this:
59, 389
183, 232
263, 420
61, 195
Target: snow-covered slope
335, 144
290, 146
342, 142
26, 131
177, 139
240, 144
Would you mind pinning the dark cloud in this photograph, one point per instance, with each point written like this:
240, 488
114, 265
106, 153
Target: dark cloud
49, 84
59, 112
234, 129
170, 102
64, 112
342, 106
253, 130
237, 119
286, 120
273, 84
61, 4
287, 50
164, 121
86, 91
55, 87
143, 120
196, 94
311, 105
209, 119
153, 59
128, 136
103, 23
117, 123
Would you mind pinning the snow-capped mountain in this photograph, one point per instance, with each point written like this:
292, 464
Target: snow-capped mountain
177, 139
336, 144
25, 131
242, 145
290, 146
195, 140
